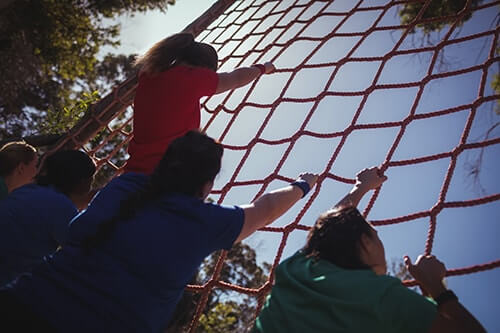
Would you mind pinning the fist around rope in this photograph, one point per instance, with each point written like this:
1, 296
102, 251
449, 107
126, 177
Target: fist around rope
370, 178
310, 178
429, 273
269, 67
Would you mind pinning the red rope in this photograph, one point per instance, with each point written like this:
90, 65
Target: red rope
295, 15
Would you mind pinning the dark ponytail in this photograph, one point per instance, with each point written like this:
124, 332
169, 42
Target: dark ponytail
336, 236
175, 49
189, 163
66, 170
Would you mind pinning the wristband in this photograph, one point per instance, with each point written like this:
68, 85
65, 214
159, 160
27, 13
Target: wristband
446, 296
261, 68
303, 185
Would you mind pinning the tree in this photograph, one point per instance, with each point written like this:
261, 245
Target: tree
443, 9
439, 14
48, 55
495, 84
397, 268
222, 314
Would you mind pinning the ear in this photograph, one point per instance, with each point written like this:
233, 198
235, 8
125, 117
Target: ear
365, 242
365, 246
20, 168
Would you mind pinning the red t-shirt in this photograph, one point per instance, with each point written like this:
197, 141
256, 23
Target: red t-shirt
166, 106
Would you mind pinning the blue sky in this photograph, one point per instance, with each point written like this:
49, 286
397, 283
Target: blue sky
464, 236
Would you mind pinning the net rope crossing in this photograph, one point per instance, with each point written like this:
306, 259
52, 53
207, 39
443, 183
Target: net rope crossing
313, 44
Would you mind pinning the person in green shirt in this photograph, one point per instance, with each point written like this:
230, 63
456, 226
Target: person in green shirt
18, 166
337, 282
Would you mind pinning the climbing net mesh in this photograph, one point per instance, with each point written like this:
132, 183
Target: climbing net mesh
352, 81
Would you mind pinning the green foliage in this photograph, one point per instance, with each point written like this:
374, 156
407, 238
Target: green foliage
240, 267
222, 318
436, 9
48, 54
397, 268
495, 84
63, 120
222, 314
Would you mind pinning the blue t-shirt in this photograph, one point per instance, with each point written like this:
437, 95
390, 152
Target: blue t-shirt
133, 281
33, 223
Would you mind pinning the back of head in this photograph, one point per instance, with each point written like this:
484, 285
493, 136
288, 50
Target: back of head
14, 153
188, 164
67, 170
335, 237
178, 48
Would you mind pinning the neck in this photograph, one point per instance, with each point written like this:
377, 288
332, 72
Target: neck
11, 183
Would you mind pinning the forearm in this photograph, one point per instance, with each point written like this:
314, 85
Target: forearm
276, 203
268, 208
353, 198
462, 319
237, 78
454, 312
244, 75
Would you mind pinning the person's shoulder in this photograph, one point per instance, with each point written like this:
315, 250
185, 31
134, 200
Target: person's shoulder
130, 179
393, 288
297, 264
406, 309
201, 211
179, 201
214, 208
50, 196
126, 183
38, 198
391, 280
184, 70
31, 190
298, 257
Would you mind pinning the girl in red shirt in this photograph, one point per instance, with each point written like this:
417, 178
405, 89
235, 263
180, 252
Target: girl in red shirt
173, 75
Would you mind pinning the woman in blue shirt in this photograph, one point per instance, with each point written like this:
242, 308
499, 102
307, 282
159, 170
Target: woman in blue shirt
132, 252
34, 218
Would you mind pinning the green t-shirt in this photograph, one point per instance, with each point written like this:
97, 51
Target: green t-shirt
318, 297
4, 191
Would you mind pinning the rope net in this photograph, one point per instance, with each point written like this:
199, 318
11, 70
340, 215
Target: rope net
354, 88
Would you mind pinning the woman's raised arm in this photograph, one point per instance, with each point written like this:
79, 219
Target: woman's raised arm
242, 76
272, 205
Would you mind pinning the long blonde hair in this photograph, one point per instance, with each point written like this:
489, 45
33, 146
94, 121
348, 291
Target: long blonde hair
175, 49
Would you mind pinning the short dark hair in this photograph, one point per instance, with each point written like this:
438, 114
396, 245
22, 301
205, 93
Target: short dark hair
335, 237
66, 170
